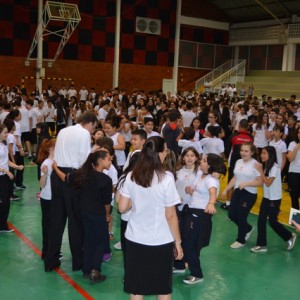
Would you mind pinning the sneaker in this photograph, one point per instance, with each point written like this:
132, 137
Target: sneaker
111, 235
17, 188
7, 230
107, 257
291, 242
20, 187
29, 156
224, 206
14, 198
118, 246
178, 271
192, 280
237, 245
60, 256
247, 236
258, 249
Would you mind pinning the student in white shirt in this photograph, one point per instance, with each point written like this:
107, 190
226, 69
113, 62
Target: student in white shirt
188, 115
279, 145
212, 143
6, 181
270, 205
46, 157
294, 169
151, 193
197, 222
260, 131
83, 93
148, 127
185, 176
188, 140
245, 181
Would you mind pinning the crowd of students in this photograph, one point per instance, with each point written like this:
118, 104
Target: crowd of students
162, 156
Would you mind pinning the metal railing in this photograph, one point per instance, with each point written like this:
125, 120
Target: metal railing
232, 71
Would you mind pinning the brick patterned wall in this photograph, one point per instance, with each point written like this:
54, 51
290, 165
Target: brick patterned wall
93, 74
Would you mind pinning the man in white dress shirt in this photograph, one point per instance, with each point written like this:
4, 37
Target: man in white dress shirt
71, 151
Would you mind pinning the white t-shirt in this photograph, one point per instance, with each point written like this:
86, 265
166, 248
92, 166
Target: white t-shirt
17, 133
46, 190
212, 145
102, 114
245, 172
24, 122
11, 140
208, 124
3, 157
295, 164
281, 148
83, 95
186, 143
153, 133
148, 224
238, 118
50, 111
3, 115
71, 93
113, 174
185, 177
260, 139
187, 118
200, 197
72, 147
36, 115
274, 191
120, 154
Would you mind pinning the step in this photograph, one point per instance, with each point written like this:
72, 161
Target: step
290, 74
279, 80
276, 86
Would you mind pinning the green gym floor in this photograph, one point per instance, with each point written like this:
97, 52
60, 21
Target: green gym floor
228, 274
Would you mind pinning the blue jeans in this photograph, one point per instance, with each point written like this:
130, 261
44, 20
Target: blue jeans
240, 205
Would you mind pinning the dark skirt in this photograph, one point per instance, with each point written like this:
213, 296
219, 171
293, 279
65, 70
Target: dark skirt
148, 269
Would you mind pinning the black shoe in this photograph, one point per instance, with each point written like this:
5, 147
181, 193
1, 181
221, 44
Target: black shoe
77, 268
225, 206
50, 269
96, 276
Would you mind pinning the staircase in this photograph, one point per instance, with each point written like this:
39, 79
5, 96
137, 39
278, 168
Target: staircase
278, 84
232, 71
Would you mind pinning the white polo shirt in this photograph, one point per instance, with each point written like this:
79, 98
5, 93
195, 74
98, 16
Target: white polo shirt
245, 172
147, 224
274, 191
280, 148
200, 197
295, 164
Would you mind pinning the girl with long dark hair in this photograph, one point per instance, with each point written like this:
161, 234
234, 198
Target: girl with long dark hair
94, 192
152, 228
294, 169
245, 181
271, 175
